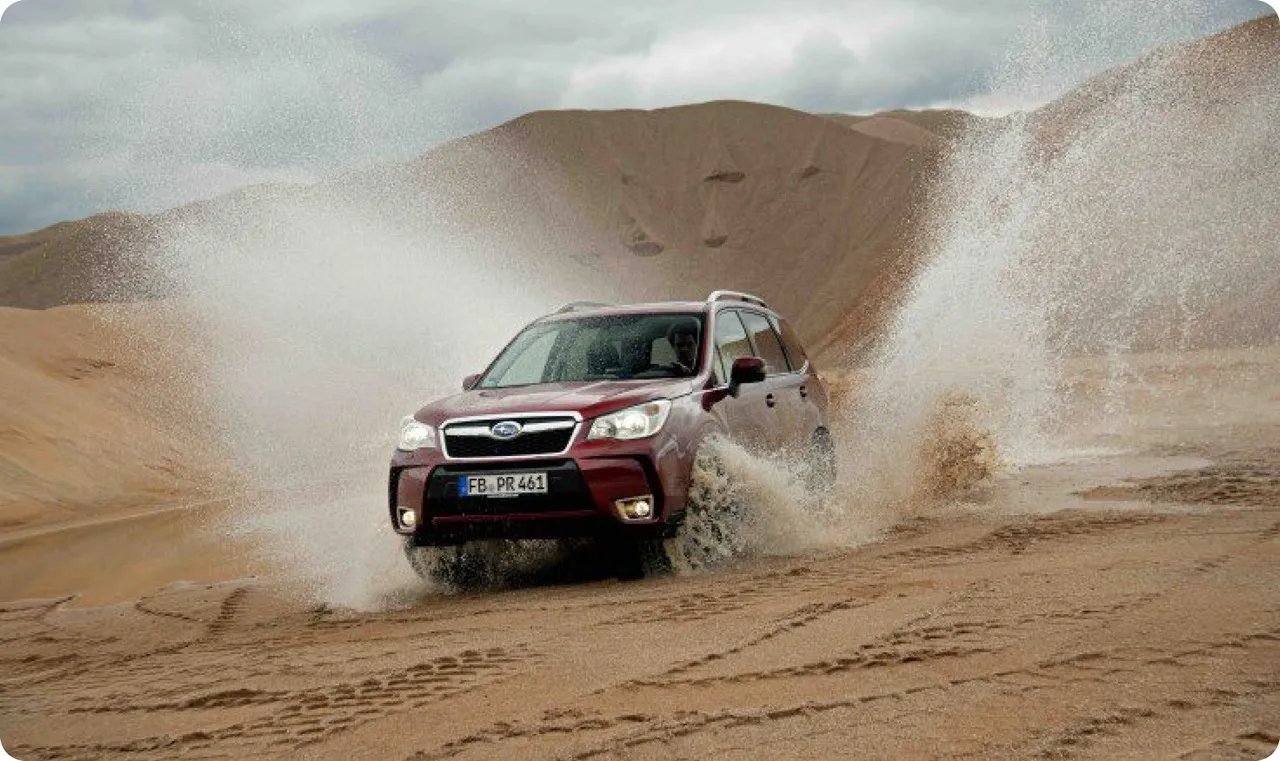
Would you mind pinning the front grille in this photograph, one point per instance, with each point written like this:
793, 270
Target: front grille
544, 442
527, 443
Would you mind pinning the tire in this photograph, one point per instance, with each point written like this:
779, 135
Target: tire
460, 567
820, 464
641, 558
714, 521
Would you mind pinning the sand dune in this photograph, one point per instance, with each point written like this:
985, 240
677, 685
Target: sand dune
677, 201
88, 260
1219, 70
92, 421
945, 125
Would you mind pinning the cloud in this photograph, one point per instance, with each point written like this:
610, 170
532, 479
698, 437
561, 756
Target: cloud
122, 104
4, 6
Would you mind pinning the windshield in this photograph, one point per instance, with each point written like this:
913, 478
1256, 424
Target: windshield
614, 347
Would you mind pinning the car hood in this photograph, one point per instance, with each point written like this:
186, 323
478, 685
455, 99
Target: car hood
587, 398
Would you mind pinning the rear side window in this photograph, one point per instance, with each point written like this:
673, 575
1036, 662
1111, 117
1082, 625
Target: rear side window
766, 342
794, 350
731, 343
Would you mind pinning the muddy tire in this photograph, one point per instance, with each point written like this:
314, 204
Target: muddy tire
820, 464
712, 531
458, 567
641, 558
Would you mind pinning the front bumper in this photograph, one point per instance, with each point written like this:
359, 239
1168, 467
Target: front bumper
581, 498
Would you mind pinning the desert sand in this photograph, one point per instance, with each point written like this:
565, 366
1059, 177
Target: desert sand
1118, 603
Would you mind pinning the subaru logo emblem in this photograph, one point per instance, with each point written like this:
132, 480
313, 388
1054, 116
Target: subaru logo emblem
507, 429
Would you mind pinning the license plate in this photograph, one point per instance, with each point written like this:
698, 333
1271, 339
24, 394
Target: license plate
502, 485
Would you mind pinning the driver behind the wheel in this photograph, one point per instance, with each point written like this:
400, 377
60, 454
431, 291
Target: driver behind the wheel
683, 337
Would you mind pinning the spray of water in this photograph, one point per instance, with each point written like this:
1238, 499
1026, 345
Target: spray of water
327, 314
746, 503
1133, 214
1130, 215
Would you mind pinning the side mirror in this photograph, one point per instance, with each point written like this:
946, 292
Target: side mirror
469, 382
745, 370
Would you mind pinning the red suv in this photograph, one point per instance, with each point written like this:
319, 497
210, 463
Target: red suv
588, 424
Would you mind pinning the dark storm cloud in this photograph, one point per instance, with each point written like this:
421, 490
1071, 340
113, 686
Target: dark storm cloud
144, 105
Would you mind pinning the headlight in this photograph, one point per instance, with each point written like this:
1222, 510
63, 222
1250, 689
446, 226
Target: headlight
415, 435
632, 423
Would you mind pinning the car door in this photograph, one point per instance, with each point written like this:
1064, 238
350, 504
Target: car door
810, 396
781, 385
747, 418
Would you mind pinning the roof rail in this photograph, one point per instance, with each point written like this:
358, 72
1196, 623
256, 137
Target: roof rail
574, 306
736, 296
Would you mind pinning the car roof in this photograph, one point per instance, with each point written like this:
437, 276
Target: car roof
663, 307
589, 309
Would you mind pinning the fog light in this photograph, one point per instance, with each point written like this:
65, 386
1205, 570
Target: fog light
635, 508
406, 517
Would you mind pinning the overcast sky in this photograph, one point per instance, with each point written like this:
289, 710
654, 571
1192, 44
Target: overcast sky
141, 105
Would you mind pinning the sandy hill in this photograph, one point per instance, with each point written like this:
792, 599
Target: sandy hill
1224, 69
1146, 195
935, 127
88, 260
88, 412
684, 200
675, 202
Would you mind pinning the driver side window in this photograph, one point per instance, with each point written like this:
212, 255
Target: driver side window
660, 352
731, 343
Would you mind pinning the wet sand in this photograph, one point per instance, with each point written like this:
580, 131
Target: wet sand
1120, 602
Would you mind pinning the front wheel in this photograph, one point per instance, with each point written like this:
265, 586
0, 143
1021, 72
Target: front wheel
641, 558
461, 566
715, 517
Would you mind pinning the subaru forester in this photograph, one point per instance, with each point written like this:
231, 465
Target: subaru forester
588, 424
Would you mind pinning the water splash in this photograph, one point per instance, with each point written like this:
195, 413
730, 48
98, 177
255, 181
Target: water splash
1131, 215
327, 315
750, 504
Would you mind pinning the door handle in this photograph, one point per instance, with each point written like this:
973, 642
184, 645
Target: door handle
769, 400
804, 392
